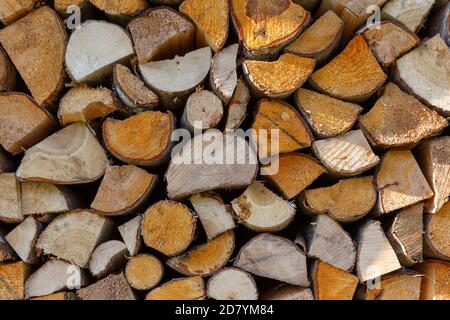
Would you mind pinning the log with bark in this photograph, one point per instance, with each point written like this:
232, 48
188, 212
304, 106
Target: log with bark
12, 10
113, 287
108, 257
412, 14
203, 111
435, 280
191, 288
437, 235
12, 280
401, 285
232, 284
131, 234
223, 76
120, 11
144, 272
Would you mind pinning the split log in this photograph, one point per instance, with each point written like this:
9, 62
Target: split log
38, 39
85, 104
131, 234
6, 162
439, 23
174, 80
405, 235
23, 239
143, 139
161, 33
93, 50
347, 155
261, 210
331, 283
434, 160
411, 14
191, 171
13, 10
223, 75
386, 126
12, 280
232, 284
237, 108
63, 7
258, 25
400, 182
108, 257
144, 272
424, 72
354, 84
274, 257
435, 280
10, 198
62, 296
54, 276
132, 91
288, 293
113, 287
22, 122
327, 241
396, 286
168, 227
320, 40
211, 21
7, 72
70, 156
203, 111
120, 11
347, 201
73, 236
215, 216
375, 254
327, 117
123, 190
437, 234
192, 288
205, 259
280, 78
6, 252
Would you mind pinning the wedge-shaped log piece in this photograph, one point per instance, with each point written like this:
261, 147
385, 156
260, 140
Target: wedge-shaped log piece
161, 33
386, 126
436, 274
143, 139
347, 155
205, 259
405, 234
191, 171
237, 108
401, 285
274, 257
412, 14
261, 210
173, 80
278, 79
400, 182
23, 239
6, 252
265, 27
61, 296
7, 72
168, 227
70, 156
192, 288
232, 284
331, 283
123, 190
144, 272
425, 72
12, 10
437, 234
12, 280
203, 111
354, 75
22, 122
287, 293
108, 257
375, 254
113, 287
390, 41
439, 23
10, 198
131, 234
54, 276
215, 216
93, 50
73, 236
320, 40
328, 117
40, 40
119, 10
348, 201
211, 20
434, 160
223, 76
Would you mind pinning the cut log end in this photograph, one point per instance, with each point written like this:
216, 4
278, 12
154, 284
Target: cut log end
437, 234
232, 284
144, 272
192, 288
108, 257
203, 111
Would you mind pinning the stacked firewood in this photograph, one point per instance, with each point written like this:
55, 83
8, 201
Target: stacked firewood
324, 163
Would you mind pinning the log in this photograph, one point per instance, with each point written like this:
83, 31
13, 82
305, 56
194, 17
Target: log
375, 254
73, 236
22, 122
203, 111
206, 258
8, 73
10, 198
215, 216
347, 155
192, 288
397, 171
288, 293
401, 285
166, 2
261, 210
131, 234
412, 14
421, 72
258, 25
274, 257
161, 33
120, 11
386, 126
13, 10
143, 139
327, 117
439, 23
331, 283
70, 156
38, 39
211, 21
12, 280
144, 272
108, 257
168, 227
236, 111
23, 239
437, 235
63, 7
232, 284
355, 84
94, 49
223, 75
435, 280
113, 287
6, 252
280, 78
62, 296
123, 190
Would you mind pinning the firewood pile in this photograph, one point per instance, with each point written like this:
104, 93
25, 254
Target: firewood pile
224, 149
